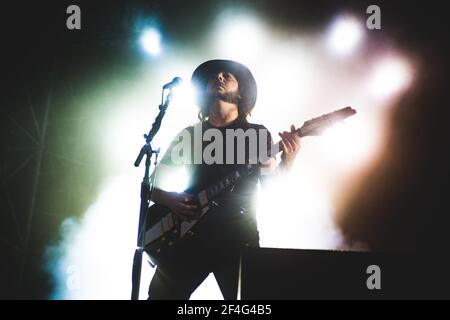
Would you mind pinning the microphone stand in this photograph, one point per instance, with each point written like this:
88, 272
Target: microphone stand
146, 191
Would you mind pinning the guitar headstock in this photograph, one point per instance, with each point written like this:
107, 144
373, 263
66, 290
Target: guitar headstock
316, 126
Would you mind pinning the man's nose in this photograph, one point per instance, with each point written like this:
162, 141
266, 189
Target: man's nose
220, 76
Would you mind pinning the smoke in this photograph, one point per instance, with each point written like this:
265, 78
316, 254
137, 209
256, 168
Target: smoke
93, 258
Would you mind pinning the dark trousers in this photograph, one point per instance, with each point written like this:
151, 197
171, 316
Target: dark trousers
180, 279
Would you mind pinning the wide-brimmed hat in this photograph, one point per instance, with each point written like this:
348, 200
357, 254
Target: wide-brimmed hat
247, 83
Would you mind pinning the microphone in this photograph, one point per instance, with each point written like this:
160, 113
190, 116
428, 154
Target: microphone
175, 82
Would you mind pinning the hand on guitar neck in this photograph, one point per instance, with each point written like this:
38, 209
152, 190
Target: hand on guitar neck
290, 145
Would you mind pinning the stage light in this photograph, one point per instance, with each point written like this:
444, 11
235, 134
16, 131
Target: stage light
392, 75
239, 37
151, 41
344, 35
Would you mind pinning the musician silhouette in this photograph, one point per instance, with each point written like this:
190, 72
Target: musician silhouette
226, 93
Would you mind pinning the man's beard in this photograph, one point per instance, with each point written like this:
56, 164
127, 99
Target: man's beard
230, 97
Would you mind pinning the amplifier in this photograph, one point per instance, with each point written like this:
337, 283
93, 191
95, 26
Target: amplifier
268, 273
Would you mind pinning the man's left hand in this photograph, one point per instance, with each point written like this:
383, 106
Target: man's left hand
290, 145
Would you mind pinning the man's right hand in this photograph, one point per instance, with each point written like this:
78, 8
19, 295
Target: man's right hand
180, 203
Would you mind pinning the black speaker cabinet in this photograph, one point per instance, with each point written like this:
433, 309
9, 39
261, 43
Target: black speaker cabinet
268, 273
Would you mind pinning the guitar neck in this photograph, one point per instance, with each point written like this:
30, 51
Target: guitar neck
316, 126
312, 127
301, 132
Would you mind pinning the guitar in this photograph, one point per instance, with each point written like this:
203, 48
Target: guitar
165, 232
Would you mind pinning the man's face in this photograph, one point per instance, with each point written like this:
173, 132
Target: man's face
223, 83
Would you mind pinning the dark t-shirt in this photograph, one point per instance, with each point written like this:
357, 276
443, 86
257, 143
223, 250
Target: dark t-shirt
211, 153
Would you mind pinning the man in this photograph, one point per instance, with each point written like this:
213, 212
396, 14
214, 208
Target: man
226, 95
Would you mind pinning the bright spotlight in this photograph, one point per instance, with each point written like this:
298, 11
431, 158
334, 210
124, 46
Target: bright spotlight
151, 41
391, 76
240, 37
344, 36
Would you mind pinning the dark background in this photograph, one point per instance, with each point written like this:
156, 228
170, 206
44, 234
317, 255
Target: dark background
401, 203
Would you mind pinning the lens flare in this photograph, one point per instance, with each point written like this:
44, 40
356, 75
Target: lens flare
345, 35
391, 76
